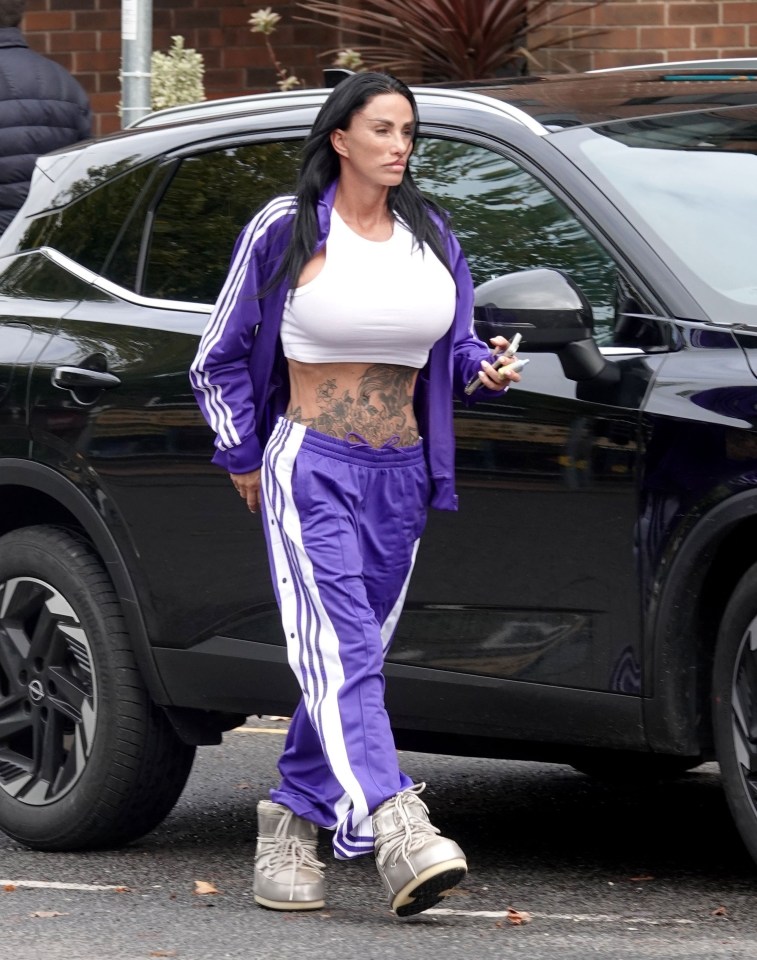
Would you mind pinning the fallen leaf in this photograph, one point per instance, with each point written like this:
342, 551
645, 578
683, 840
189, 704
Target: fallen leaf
122, 890
163, 953
202, 888
720, 912
45, 914
517, 917
639, 879
9, 887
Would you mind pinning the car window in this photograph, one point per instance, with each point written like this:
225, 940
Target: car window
207, 203
122, 266
88, 226
688, 183
507, 220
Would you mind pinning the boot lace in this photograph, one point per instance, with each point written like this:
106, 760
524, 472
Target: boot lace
291, 853
412, 827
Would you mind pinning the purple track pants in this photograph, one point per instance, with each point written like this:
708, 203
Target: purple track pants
342, 522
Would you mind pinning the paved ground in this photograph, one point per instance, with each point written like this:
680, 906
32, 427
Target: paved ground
614, 872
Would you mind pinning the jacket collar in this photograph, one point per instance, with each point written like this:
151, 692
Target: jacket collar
12, 37
325, 206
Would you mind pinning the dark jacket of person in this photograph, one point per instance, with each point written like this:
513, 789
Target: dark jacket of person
42, 108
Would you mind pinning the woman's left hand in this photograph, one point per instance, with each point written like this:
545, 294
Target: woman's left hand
501, 377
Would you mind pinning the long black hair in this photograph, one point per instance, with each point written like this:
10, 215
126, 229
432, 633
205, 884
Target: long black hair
320, 167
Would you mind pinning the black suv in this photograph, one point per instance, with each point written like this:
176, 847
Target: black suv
612, 220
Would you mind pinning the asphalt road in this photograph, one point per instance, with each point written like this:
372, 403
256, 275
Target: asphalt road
589, 870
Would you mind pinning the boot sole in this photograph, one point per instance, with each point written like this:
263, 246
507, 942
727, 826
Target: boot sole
429, 887
290, 904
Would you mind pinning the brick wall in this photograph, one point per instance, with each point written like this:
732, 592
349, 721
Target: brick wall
646, 31
84, 35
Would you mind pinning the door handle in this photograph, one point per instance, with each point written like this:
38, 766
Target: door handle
80, 378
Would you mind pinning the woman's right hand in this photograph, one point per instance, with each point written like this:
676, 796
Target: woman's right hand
247, 486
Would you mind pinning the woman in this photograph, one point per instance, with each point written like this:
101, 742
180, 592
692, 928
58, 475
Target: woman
327, 371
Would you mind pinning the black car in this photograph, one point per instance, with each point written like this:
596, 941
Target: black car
612, 221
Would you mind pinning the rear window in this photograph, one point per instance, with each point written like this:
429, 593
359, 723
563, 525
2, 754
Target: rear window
88, 226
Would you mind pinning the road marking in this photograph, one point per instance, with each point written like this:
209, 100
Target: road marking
437, 912
58, 885
574, 917
258, 730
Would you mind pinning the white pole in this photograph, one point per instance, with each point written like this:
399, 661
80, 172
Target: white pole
136, 54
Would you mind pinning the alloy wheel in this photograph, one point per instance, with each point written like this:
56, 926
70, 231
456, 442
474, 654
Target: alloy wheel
48, 692
744, 710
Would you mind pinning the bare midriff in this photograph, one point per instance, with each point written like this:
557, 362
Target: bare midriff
373, 400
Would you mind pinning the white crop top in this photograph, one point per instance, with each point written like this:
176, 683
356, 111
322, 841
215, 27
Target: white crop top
372, 302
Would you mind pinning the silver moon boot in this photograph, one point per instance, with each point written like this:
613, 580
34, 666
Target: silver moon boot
418, 866
288, 874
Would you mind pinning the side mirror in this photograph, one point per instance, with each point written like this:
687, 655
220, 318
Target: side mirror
543, 304
550, 312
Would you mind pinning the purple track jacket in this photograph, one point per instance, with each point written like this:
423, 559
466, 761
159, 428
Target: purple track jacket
239, 375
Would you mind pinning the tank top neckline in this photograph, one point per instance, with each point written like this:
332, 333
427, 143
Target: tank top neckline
340, 220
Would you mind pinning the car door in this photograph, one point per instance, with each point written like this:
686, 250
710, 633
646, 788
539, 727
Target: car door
34, 295
528, 597
112, 406
16, 337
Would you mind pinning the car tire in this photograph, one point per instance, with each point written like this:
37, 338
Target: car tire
734, 707
87, 761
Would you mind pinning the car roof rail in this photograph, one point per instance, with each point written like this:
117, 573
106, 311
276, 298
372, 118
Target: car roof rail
290, 99
731, 64
228, 105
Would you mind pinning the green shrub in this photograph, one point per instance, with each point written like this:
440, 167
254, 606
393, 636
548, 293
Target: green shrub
177, 76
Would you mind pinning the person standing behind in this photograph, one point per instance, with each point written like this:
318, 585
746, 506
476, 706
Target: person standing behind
42, 107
